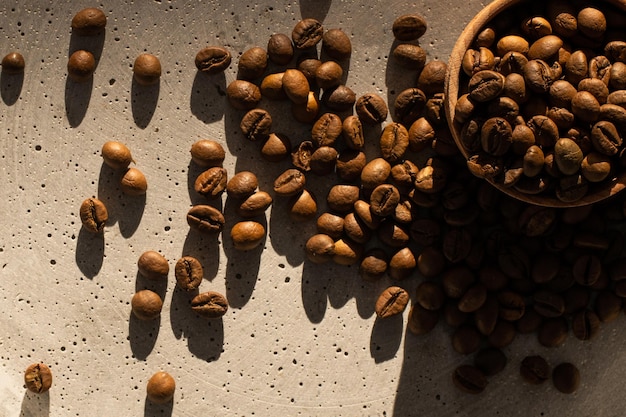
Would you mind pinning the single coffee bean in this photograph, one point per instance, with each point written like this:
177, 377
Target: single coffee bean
243, 95
393, 234
146, 305
296, 86
394, 141
153, 265
591, 22
189, 273
512, 43
212, 182
13, 63
308, 65
81, 66
323, 160
384, 200
256, 124
350, 164
568, 156
473, 298
336, 43
421, 135
301, 156
147, 69
93, 215
213, 60
548, 304
392, 301
469, 379
545, 47
38, 378
116, 155
272, 87
403, 176
340, 98
585, 325
512, 305
252, 63
457, 280
432, 178
347, 252
490, 361
421, 321
485, 38
466, 340
587, 269
496, 136
280, 49
276, 148
409, 105
607, 306
89, 22
571, 188
502, 335
576, 67
453, 316
432, 78
306, 112
430, 295
566, 377
552, 332
486, 317
605, 138
457, 244
254, 205
247, 235
534, 369
596, 87
242, 185
307, 33
134, 182
302, 207
485, 85
341, 197
536, 26
205, 219
561, 93
207, 153
210, 304
356, 229
320, 248
160, 388
352, 131
475, 60
512, 63
373, 265
409, 27
375, 173
364, 212
328, 75
402, 264
410, 56
330, 224
371, 109
326, 130
539, 75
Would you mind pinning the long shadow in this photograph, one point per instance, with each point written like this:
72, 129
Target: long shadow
206, 249
208, 97
316, 9
77, 98
93, 44
144, 99
397, 79
143, 334
151, 409
35, 405
386, 337
89, 252
314, 287
11, 87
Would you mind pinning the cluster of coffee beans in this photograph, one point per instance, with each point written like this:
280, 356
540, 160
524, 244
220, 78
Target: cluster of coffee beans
117, 156
542, 108
82, 63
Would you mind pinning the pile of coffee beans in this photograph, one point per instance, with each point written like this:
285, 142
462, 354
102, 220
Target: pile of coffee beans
541, 108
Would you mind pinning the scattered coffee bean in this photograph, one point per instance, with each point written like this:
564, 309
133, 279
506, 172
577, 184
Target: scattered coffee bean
371, 109
336, 44
302, 207
153, 265
206, 219
392, 301
469, 379
13, 63
255, 205
116, 155
252, 63
189, 273
213, 60
307, 33
280, 49
147, 69
160, 388
243, 95
89, 22
93, 215
38, 378
276, 147
289, 183
146, 305
256, 124
566, 377
207, 153
247, 235
320, 248
409, 27
212, 182
242, 185
535, 370
81, 66
134, 182
373, 265
210, 304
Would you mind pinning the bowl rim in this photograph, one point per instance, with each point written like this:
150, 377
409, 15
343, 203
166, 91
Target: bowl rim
608, 189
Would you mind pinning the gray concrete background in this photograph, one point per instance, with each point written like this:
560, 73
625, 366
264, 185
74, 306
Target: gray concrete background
298, 339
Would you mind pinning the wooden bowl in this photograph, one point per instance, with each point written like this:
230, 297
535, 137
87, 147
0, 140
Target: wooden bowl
597, 192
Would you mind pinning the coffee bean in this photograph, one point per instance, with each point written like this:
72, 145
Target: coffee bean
146, 305
301, 156
326, 130
585, 106
539, 75
38, 378
374, 173
341, 197
189, 273
391, 301
394, 141
340, 98
247, 235
323, 160
412, 57
384, 200
607, 306
409, 27
213, 60
243, 95
431, 179
276, 147
548, 304
308, 65
350, 164
280, 49
393, 234
89, 22
160, 388
409, 105
93, 215
421, 135
485, 85
430, 295
529, 322
116, 155
81, 66
512, 305
490, 361
134, 182
587, 269
496, 136
252, 63
212, 182
469, 379
486, 317
373, 265
534, 369
210, 304
605, 138
552, 332
242, 185
403, 176
13, 63
566, 377
421, 321
272, 87
545, 48
432, 78
585, 325
371, 109
453, 316
600, 67
153, 265
457, 244
457, 280
307, 33
336, 43
512, 43
302, 207
502, 335
347, 252
328, 75
356, 229
205, 219
330, 224
466, 340
352, 131
485, 37
475, 60
425, 232
512, 63
296, 86
320, 248
207, 153
147, 69
364, 211
402, 264
473, 298
256, 124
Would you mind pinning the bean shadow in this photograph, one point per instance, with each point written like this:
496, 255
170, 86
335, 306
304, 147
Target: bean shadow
11, 87
205, 337
208, 97
151, 409
397, 79
144, 99
77, 98
316, 9
89, 252
142, 335
93, 44
35, 405
206, 249
386, 337
314, 287
126, 210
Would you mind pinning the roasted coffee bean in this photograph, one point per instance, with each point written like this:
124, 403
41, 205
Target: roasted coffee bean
466, 340
330, 224
405, 211
371, 109
566, 377
252, 63
207, 153
323, 160
392, 301
457, 244
534, 369
212, 182
116, 155
307, 33
189, 273
308, 65
352, 131
606, 138
302, 207
568, 156
514, 261
548, 304
364, 211
210, 304
430, 295
306, 112
255, 205
475, 60
409, 105
529, 322
289, 183
473, 298
432, 77
512, 43
536, 26
502, 335
545, 48
373, 265
596, 87
296, 86
153, 265
38, 378
93, 215
425, 232
469, 379
585, 106
81, 66
600, 67
336, 44
355, 228
347, 252
512, 305
280, 49
147, 69
320, 248
403, 176
133, 182
552, 332
256, 124
431, 178
587, 269
326, 130
409, 27
340, 98
486, 317
213, 59
247, 235
242, 185
272, 87
276, 147
301, 156
485, 85
496, 136
243, 95
457, 280
13, 63
485, 38
512, 63
410, 56
421, 321
205, 219
421, 134
89, 22
341, 197
539, 75
328, 75
393, 234
453, 316
490, 361
402, 264
374, 173
384, 199
146, 305
394, 141
607, 306
160, 388
585, 325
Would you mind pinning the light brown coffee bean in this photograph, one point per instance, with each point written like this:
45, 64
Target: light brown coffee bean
280, 49
243, 95
330, 224
384, 199
147, 69
13, 63
432, 78
328, 75
347, 252
296, 86
290, 182
93, 215
89, 22
189, 273
212, 182
272, 87
256, 124
210, 304
116, 155
38, 378
307, 33
341, 98
408, 105
402, 264
373, 265
371, 109
410, 56
247, 235
350, 164
394, 141
276, 148
323, 160
146, 305
213, 60
336, 43
81, 66
252, 63
352, 131
320, 248
207, 153
341, 197
326, 130
302, 207
255, 205
160, 388
409, 27
205, 219
153, 265
391, 301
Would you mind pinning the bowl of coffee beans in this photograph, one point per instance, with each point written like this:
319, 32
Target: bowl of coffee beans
536, 99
